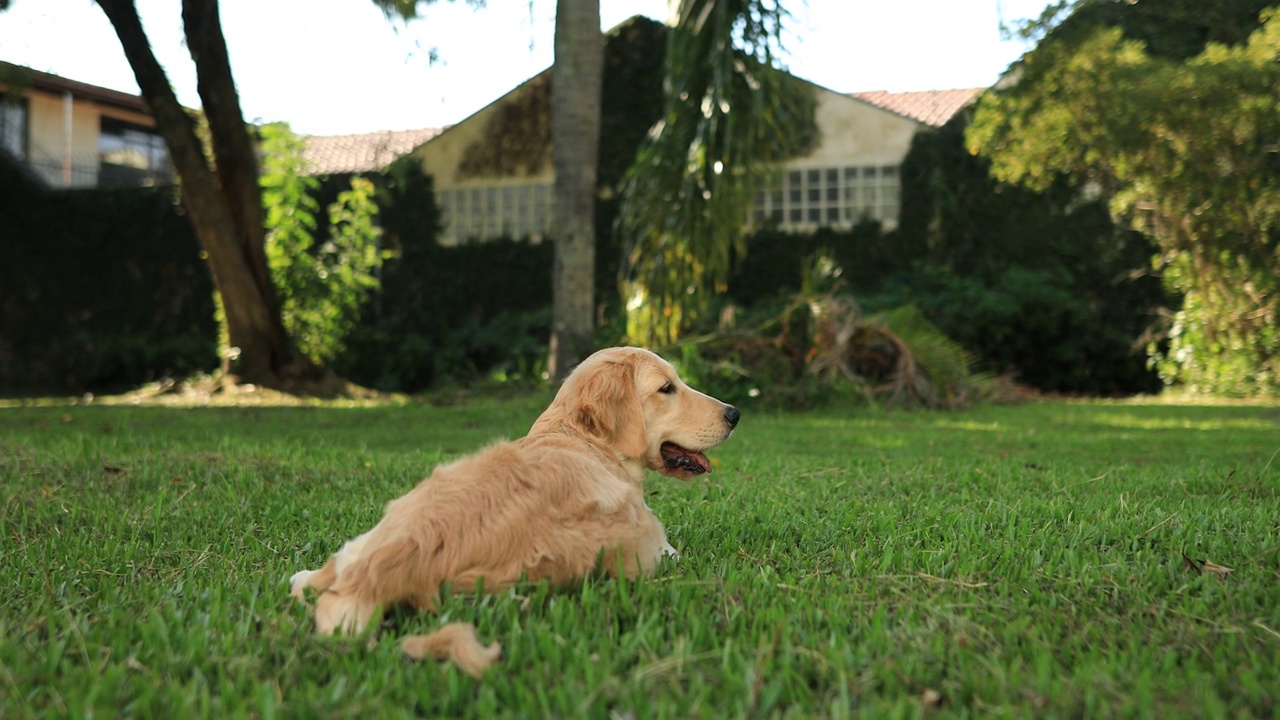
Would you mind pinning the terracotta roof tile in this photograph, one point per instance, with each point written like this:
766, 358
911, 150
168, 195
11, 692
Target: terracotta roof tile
931, 107
332, 154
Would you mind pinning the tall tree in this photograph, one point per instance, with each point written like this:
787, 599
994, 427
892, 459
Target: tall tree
575, 138
729, 116
221, 194
1186, 151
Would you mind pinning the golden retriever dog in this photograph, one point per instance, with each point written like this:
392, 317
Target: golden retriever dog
559, 504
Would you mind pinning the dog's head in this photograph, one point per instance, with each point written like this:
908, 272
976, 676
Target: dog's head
633, 402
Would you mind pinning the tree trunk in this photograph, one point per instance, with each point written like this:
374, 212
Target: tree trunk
235, 161
225, 206
575, 135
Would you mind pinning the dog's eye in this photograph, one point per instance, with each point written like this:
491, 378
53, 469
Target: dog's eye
667, 389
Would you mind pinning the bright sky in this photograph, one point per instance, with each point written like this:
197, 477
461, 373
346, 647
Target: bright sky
332, 67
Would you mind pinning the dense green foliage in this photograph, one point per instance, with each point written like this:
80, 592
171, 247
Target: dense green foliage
104, 290
447, 314
1181, 140
1037, 284
322, 280
99, 290
1046, 560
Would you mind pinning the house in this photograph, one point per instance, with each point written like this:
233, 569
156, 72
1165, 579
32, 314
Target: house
69, 134
494, 176
853, 172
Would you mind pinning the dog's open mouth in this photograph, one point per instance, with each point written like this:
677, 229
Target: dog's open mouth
679, 458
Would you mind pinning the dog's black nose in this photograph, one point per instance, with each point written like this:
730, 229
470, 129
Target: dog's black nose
731, 416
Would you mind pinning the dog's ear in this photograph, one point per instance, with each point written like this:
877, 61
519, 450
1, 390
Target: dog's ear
609, 408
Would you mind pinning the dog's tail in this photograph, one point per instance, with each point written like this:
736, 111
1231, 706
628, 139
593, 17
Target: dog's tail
457, 643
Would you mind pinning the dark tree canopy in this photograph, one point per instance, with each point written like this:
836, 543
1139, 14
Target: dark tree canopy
1182, 142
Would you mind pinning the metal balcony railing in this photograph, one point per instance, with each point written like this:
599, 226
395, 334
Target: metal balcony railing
86, 171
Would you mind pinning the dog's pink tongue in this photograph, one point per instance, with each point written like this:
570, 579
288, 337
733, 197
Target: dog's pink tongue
702, 461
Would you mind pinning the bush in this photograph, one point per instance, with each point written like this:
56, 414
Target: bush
1035, 325
323, 272
100, 290
447, 315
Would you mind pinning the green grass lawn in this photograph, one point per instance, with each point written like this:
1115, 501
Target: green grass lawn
1049, 559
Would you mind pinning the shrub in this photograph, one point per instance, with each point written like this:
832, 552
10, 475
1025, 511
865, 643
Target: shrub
322, 279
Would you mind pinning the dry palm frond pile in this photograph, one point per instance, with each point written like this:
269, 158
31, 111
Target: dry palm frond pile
823, 344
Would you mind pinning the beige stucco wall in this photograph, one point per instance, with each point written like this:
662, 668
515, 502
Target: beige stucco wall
854, 132
442, 155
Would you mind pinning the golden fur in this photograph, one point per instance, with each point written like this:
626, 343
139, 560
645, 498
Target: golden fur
559, 504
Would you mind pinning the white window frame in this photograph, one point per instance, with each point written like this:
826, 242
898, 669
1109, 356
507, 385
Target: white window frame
805, 198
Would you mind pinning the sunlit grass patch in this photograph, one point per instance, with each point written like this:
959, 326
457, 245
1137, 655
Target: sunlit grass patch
1050, 559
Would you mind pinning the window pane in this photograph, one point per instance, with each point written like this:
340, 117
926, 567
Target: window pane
13, 126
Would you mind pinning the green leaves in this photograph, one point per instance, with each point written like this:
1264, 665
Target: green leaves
1186, 151
321, 287
729, 115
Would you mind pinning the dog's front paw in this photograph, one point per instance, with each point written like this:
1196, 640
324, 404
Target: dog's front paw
298, 583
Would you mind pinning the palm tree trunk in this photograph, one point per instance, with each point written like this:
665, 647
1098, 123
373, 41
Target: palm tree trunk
575, 135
